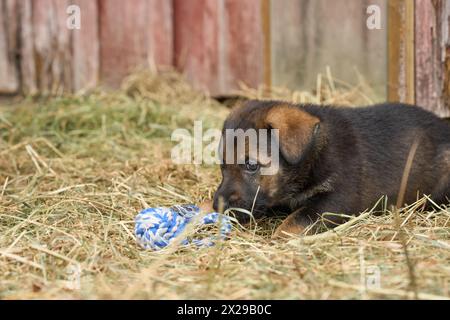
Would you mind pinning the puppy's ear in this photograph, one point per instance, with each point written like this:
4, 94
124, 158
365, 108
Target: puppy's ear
296, 130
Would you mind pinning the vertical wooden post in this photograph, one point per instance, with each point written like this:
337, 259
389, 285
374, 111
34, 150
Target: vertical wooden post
266, 29
401, 52
409, 48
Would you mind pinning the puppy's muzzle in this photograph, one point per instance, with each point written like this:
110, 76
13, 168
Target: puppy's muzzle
223, 201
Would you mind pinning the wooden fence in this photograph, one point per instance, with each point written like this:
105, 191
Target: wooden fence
219, 44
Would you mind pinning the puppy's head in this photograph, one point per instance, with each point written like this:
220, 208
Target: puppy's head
262, 171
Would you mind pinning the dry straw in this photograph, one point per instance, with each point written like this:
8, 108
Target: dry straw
75, 170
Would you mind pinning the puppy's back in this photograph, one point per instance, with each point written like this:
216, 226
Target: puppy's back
374, 143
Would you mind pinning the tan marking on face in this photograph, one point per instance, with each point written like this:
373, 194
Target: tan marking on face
295, 129
269, 185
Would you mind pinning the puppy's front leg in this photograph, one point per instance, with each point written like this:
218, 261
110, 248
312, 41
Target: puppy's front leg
295, 224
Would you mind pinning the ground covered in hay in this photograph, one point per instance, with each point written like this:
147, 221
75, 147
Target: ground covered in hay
74, 171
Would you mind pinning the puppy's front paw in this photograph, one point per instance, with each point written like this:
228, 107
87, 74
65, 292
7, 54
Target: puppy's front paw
289, 227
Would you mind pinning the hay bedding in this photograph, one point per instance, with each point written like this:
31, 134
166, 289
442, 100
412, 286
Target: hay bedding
74, 171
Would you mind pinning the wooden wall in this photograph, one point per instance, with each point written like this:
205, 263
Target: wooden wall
9, 75
332, 33
432, 55
419, 54
43, 54
133, 33
220, 44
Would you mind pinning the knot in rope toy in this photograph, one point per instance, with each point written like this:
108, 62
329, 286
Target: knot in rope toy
156, 228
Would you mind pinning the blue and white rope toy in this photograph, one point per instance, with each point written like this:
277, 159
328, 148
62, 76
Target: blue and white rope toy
156, 228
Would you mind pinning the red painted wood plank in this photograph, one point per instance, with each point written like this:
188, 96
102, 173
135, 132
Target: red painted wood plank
245, 50
9, 79
132, 34
161, 31
219, 44
197, 42
86, 47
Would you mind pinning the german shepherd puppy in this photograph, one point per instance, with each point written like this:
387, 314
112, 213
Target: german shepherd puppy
335, 160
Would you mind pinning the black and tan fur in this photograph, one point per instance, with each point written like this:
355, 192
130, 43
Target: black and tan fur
337, 159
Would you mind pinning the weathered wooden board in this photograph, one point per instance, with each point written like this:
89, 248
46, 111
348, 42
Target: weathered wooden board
433, 55
9, 79
86, 47
243, 33
54, 58
52, 52
309, 35
197, 42
161, 32
27, 64
133, 34
401, 41
219, 44
46, 57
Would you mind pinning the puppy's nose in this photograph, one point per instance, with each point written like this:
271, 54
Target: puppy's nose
218, 202
223, 203
220, 206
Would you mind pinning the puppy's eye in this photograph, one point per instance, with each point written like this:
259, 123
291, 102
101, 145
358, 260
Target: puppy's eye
251, 165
